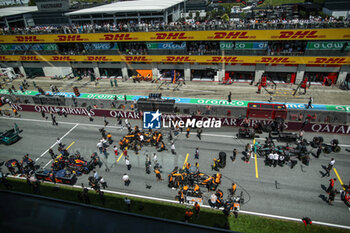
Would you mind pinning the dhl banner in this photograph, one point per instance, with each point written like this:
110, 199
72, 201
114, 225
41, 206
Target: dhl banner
239, 35
183, 59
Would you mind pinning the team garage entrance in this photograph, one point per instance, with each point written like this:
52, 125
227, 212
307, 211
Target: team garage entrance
324, 78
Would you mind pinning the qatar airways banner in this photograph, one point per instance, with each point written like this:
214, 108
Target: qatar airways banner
235, 122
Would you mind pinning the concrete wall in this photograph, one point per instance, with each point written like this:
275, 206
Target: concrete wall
59, 71
342, 75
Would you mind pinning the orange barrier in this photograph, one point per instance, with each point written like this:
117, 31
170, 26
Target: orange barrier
144, 73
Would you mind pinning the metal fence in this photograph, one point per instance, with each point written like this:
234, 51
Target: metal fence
211, 25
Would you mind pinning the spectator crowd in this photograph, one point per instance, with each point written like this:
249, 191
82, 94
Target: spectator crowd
273, 48
189, 25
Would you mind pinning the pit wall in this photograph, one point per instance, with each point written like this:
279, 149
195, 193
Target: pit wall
225, 121
322, 114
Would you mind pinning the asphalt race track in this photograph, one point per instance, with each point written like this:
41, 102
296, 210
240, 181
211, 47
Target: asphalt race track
283, 191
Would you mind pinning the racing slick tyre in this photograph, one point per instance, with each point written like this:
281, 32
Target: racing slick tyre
241, 198
313, 144
320, 139
327, 149
345, 196
336, 149
266, 128
316, 141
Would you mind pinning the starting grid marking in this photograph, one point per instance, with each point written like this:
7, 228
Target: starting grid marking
120, 156
59, 154
256, 162
56, 142
340, 181
183, 167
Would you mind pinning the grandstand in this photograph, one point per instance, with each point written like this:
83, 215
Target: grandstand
120, 39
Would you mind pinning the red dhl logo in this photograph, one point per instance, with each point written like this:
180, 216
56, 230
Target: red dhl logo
29, 58
275, 60
322, 60
120, 36
62, 58
3, 58
69, 38
297, 34
230, 35
224, 59
97, 58
171, 36
177, 59
27, 39
135, 58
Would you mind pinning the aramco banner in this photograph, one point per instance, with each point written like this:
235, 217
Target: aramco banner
166, 45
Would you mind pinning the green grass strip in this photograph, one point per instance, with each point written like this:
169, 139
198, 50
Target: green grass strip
207, 217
